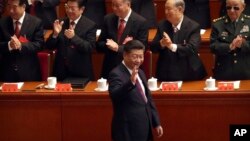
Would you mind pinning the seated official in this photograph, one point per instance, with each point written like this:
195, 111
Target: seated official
230, 43
119, 27
177, 41
21, 37
74, 38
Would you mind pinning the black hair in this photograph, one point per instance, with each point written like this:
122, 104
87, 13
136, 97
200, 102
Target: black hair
133, 44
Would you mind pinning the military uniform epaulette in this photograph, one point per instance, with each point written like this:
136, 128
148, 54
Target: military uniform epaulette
220, 18
246, 16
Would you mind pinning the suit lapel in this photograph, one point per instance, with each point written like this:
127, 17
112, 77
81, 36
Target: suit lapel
25, 25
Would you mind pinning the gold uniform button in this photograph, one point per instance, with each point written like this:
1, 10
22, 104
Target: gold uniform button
235, 61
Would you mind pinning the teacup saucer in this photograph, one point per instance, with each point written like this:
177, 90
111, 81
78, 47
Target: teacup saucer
154, 89
210, 89
101, 90
48, 87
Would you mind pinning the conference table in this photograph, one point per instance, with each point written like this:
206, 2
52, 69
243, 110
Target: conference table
189, 114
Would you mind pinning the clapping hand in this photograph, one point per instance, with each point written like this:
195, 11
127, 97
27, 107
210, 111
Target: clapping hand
57, 26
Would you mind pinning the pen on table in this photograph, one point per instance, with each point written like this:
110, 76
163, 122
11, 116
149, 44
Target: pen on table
40, 86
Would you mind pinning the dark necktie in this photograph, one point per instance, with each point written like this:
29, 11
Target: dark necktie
175, 35
139, 87
121, 28
17, 28
72, 23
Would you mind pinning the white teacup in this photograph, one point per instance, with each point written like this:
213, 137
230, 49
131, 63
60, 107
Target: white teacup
210, 83
51, 82
102, 84
152, 83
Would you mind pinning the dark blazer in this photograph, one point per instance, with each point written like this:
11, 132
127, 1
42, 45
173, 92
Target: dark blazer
146, 9
199, 11
230, 65
135, 27
184, 64
46, 11
132, 117
21, 65
95, 10
223, 10
73, 57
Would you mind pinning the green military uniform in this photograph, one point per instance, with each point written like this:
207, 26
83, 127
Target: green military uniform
235, 64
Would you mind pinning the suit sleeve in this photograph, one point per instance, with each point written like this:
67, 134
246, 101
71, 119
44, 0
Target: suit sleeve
118, 88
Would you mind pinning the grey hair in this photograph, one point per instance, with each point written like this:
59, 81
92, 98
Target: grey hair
242, 1
180, 3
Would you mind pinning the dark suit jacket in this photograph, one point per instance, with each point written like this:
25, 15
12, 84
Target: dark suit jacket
146, 9
184, 64
46, 11
199, 11
136, 27
95, 10
21, 65
73, 57
223, 10
132, 117
230, 65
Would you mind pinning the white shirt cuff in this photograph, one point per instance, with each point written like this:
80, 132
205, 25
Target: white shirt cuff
10, 49
173, 47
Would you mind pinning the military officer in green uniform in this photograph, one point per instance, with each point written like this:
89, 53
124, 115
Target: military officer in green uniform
230, 43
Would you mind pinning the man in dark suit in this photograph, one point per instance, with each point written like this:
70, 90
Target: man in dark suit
177, 41
223, 9
21, 37
74, 38
119, 27
199, 11
134, 112
230, 38
43, 9
146, 9
96, 10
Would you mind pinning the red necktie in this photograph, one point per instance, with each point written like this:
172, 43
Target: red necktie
17, 28
138, 85
121, 28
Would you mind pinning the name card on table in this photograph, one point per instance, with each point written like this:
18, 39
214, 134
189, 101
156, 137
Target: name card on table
11, 87
225, 86
169, 86
63, 87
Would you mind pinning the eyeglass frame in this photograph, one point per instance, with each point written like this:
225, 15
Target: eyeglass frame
235, 8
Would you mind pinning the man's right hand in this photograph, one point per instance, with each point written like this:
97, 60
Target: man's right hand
134, 74
57, 26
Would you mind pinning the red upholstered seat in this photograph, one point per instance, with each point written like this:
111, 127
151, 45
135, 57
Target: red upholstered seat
45, 60
147, 64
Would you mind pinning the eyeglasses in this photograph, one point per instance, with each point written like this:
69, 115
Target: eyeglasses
233, 7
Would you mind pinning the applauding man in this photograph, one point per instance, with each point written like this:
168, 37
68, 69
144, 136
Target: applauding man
74, 38
21, 37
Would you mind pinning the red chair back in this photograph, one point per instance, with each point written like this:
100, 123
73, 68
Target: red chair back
147, 64
44, 59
